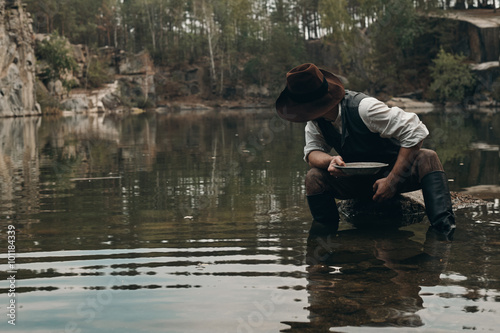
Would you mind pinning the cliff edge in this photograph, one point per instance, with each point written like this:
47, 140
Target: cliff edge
17, 61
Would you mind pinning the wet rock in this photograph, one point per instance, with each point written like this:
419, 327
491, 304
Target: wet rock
404, 209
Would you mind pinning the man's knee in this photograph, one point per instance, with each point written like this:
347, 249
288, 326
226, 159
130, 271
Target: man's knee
315, 181
427, 155
428, 161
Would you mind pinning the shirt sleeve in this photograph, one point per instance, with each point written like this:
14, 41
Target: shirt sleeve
314, 140
394, 122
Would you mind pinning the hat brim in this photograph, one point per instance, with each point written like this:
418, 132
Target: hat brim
293, 111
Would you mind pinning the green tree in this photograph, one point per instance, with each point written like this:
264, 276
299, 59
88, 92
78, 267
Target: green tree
335, 18
374, 40
96, 74
55, 53
284, 44
392, 37
452, 78
43, 13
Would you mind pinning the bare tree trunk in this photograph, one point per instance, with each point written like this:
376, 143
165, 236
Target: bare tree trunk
115, 36
208, 22
221, 73
151, 25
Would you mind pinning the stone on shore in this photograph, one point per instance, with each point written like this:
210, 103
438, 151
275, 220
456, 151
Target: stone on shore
404, 209
411, 105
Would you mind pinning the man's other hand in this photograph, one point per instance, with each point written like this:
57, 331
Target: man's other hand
384, 189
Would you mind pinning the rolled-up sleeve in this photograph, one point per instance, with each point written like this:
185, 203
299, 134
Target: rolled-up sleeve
392, 122
314, 140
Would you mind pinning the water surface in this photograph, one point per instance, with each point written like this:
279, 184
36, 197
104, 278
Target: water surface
198, 223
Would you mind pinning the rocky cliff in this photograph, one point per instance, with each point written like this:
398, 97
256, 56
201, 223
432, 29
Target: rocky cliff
17, 61
478, 37
477, 34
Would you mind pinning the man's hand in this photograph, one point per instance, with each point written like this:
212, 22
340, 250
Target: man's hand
384, 189
336, 160
321, 160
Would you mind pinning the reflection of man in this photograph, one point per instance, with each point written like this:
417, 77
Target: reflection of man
360, 128
370, 277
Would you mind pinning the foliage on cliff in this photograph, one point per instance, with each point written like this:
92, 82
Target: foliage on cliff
55, 53
452, 78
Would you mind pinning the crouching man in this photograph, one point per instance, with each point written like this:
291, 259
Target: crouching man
360, 129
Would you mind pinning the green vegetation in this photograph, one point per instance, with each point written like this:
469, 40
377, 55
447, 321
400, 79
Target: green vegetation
97, 74
452, 78
55, 53
376, 44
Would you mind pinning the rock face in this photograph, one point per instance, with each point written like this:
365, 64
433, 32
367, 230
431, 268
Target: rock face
136, 74
17, 61
132, 82
482, 28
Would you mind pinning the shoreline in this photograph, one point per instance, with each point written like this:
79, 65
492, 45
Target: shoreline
178, 107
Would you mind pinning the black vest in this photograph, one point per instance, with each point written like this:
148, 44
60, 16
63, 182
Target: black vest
357, 143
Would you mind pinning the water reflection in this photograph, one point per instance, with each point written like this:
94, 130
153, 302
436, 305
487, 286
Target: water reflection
201, 221
19, 165
371, 278
468, 145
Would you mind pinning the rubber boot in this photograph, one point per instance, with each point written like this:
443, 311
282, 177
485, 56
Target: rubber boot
324, 212
438, 203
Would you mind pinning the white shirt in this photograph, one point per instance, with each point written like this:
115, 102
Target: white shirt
395, 123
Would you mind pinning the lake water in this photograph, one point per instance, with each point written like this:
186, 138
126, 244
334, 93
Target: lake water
198, 223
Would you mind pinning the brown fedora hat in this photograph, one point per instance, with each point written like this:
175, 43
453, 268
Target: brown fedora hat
310, 93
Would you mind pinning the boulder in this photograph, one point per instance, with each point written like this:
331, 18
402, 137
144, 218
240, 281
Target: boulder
56, 88
139, 89
411, 105
76, 104
111, 101
404, 209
